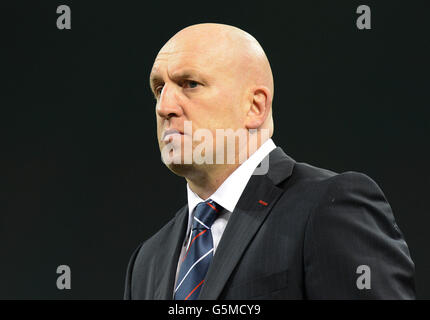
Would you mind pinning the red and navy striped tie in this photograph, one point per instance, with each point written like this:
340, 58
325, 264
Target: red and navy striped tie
195, 263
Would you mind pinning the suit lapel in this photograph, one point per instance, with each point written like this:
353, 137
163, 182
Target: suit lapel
245, 221
167, 260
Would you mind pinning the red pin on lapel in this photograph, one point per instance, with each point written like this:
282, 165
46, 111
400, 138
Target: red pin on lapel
262, 202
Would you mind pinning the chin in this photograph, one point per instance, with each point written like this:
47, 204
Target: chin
180, 169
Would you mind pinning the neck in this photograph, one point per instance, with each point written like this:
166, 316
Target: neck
204, 183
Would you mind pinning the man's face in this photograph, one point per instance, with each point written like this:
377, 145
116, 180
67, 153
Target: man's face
195, 81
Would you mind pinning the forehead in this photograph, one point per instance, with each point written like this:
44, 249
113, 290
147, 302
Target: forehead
191, 56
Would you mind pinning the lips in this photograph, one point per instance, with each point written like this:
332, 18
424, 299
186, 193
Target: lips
169, 133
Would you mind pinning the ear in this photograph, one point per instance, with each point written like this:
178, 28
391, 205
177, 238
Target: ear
259, 108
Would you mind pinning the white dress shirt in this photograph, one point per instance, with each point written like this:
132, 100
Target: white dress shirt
227, 196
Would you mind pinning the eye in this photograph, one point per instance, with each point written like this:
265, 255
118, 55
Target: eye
191, 84
158, 90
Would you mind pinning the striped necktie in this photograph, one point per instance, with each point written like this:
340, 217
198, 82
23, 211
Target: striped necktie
195, 263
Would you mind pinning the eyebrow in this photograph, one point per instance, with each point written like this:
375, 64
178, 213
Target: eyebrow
183, 74
155, 78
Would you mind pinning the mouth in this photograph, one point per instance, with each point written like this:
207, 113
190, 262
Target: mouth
168, 134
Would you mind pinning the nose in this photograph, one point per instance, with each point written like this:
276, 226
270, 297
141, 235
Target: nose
168, 104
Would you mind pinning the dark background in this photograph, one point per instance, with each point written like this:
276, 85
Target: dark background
81, 179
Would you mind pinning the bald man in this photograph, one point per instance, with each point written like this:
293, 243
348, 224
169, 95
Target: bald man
260, 226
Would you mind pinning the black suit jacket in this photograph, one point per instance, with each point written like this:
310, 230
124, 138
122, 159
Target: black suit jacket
317, 228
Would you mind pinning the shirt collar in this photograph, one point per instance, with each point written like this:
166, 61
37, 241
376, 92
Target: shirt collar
230, 191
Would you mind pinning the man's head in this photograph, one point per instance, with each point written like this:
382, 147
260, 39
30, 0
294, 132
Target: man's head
216, 76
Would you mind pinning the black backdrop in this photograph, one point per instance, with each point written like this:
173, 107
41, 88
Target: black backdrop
82, 183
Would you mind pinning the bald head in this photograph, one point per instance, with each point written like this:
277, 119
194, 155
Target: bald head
230, 48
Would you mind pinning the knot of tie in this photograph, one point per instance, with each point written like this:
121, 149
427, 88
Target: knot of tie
205, 214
